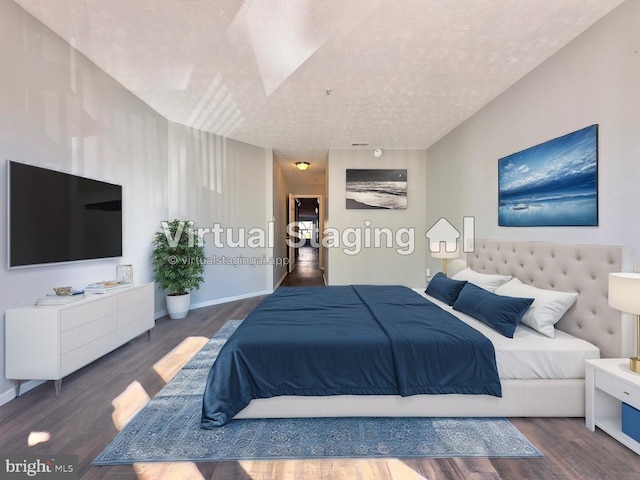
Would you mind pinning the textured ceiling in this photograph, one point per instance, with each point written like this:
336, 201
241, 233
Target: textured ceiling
305, 76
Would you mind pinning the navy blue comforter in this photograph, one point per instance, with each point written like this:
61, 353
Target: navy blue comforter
347, 340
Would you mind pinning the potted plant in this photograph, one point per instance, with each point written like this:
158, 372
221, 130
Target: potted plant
178, 264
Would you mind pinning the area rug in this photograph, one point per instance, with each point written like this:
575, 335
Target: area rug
168, 430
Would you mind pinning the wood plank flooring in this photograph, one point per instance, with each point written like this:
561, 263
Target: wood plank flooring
83, 419
306, 273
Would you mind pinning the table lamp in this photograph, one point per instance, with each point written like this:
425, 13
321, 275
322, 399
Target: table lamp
446, 252
624, 295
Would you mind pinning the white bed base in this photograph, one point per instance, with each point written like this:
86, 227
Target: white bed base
520, 398
580, 268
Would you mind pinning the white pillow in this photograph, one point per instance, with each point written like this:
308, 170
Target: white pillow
547, 308
482, 280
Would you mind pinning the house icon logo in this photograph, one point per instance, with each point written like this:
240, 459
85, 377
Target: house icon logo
443, 232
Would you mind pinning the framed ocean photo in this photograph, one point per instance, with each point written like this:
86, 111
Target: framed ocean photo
380, 188
552, 184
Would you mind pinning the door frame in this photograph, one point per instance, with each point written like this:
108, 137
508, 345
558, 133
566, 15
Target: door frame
292, 214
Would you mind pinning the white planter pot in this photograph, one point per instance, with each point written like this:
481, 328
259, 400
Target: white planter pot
178, 305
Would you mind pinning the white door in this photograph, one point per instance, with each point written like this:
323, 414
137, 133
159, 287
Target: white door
292, 240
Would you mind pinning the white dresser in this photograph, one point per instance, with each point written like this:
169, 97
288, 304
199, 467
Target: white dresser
50, 342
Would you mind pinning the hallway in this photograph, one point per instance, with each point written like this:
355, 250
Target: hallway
306, 273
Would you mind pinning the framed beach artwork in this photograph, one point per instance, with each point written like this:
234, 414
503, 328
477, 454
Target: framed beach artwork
381, 188
552, 184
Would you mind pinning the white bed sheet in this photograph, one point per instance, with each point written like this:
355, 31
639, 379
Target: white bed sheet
529, 354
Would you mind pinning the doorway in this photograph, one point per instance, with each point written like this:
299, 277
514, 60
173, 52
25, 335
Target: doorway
306, 255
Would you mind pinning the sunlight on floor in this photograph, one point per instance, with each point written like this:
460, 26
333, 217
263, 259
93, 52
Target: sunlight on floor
134, 398
128, 403
364, 469
173, 361
38, 437
167, 471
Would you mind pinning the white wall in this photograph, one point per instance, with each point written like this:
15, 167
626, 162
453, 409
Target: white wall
281, 190
378, 265
60, 111
215, 180
308, 189
593, 80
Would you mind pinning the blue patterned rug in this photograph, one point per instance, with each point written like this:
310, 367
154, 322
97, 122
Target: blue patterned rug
168, 430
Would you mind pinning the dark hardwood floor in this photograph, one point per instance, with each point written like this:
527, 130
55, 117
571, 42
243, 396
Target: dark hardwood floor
83, 419
307, 272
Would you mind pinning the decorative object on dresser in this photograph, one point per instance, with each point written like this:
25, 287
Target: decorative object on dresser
124, 274
61, 291
104, 286
624, 295
612, 400
50, 342
178, 264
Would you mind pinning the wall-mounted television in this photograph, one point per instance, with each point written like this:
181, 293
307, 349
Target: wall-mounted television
55, 217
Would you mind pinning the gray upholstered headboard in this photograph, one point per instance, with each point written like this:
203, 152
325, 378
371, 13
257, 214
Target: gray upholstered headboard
570, 268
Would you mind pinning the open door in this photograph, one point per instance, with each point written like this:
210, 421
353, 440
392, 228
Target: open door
293, 214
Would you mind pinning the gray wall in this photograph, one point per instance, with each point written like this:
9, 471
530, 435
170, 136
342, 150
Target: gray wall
378, 265
281, 190
216, 180
59, 111
595, 79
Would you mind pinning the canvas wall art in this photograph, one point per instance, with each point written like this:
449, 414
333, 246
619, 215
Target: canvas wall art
380, 188
552, 184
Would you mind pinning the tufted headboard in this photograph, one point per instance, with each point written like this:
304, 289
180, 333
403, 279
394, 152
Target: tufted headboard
570, 268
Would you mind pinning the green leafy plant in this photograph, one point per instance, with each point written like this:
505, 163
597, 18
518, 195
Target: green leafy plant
178, 257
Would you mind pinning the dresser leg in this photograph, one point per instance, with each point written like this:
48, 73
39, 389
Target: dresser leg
149, 334
18, 385
58, 385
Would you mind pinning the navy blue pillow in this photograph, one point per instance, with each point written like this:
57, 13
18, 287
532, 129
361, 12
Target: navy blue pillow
445, 289
500, 312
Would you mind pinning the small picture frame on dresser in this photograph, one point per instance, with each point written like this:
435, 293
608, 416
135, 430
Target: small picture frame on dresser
124, 274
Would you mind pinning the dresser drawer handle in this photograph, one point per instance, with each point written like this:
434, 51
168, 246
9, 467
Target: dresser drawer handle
626, 393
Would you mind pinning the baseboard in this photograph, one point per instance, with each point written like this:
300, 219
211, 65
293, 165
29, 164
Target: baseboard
284, 275
7, 396
218, 301
10, 394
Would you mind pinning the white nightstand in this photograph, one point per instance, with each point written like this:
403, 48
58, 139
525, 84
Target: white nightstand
609, 382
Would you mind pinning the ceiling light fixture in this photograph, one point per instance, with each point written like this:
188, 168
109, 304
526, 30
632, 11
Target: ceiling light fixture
302, 166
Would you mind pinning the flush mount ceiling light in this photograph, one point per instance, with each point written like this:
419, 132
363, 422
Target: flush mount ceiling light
302, 166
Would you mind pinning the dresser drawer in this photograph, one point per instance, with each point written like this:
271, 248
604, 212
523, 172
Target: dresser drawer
77, 315
618, 388
87, 333
78, 358
135, 313
135, 295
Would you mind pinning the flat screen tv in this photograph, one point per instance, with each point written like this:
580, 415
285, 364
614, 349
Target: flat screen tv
55, 217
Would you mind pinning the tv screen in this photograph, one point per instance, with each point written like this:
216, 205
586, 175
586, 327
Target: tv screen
56, 217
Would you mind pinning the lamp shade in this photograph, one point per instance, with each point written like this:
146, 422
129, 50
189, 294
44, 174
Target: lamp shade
447, 250
624, 292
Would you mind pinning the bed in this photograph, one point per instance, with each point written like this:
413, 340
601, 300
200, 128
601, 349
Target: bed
538, 391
